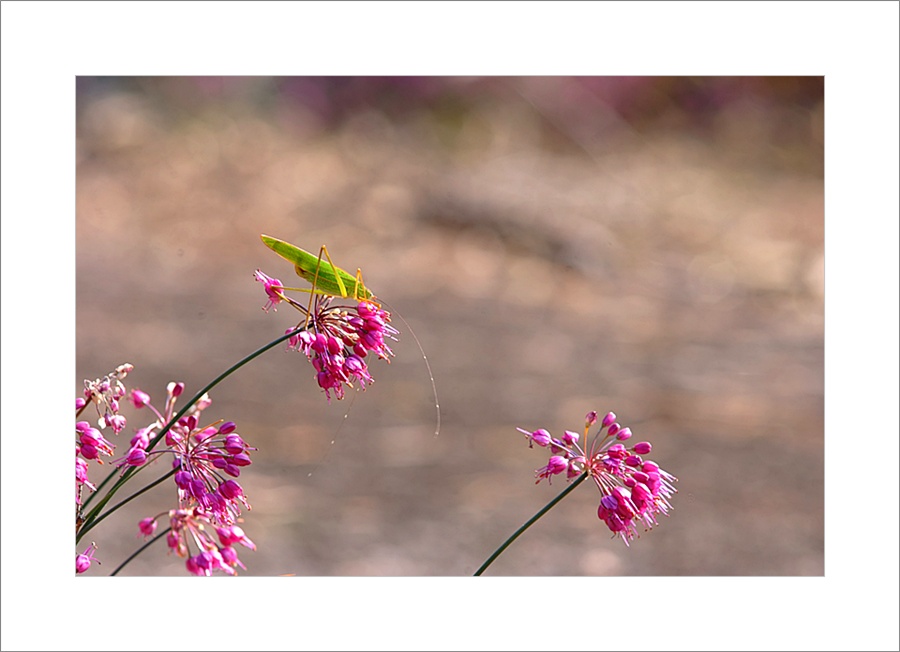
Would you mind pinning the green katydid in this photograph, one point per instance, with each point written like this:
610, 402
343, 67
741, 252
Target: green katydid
329, 279
325, 277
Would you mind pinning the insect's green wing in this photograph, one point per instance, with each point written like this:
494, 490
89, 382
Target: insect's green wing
325, 279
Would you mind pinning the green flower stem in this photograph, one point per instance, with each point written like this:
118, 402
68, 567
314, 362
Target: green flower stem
531, 522
218, 379
88, 526
96, 492
88, 522
140, 550
92, 516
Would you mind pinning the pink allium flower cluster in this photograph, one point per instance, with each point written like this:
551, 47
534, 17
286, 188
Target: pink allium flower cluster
193, 529
633, 490
337, 338
105, 393
90, 444
206, 460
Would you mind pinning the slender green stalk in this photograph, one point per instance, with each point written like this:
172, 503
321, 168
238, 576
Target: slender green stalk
140, 550
88, 526
530, 522
96, 491
91, 518
92, 515
217, 380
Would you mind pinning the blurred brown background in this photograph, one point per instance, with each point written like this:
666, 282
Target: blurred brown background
651, 246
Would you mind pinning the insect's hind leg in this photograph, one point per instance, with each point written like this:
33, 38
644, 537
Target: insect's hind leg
337, 275
323, 250
359, 292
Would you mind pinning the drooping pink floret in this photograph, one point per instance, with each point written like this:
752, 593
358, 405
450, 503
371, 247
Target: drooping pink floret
273, 288
83, 561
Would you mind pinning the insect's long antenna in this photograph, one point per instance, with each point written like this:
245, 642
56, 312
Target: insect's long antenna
437, 407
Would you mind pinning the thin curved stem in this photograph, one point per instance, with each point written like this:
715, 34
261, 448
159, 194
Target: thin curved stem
86, 528
140, 550
217, 380
91, 518
100, 486
530, 522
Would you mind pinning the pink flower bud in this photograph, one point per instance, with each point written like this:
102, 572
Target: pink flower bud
623, 434
325, 380
136, 457
193, 566
234, 444
141, 438
81, 470
139, 398
555, 465
540, 437
206, 433
241, 459
230, 556
334, 345
123, 370
83, 561
571, 438
230, 535
198, 489
172, 540
91, 437
608, 420
231, 490
147, 526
